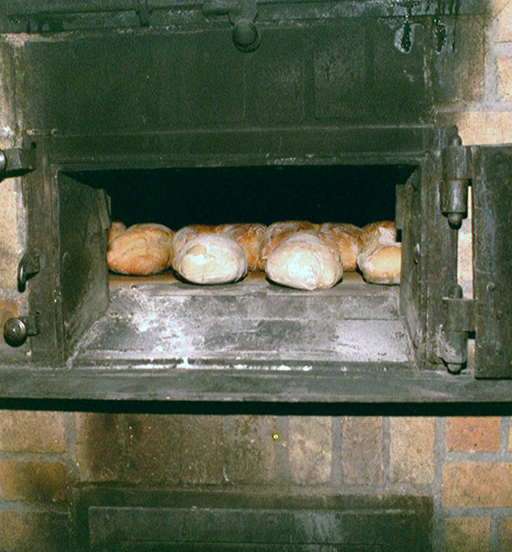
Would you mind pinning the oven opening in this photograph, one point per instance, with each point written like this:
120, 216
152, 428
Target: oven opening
252, 323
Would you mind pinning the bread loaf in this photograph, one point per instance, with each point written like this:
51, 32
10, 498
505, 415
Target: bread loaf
142, 250
305, 260
249, 236
347, 237
277, 232
373, 229
187, 233
208, 258
380, 259
116, 229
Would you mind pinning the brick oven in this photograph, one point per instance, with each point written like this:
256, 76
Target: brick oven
143, 414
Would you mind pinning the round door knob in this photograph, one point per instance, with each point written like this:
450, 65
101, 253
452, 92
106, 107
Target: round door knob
15, 331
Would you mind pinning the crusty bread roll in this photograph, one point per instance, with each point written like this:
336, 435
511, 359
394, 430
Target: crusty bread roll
372, 229
347, 236
116, 229
305, 260
279, 231
380, 259
208, 258
185, 234
249, 236
142, 250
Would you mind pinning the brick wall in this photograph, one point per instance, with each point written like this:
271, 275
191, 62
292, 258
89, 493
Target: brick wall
464, 463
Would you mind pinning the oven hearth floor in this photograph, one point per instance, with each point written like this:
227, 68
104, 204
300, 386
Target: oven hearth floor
161, 321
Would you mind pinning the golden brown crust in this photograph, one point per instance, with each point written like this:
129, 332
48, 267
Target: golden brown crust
116, 229
383, 265
370, 230
142, 250
305, 260
279, 231
249, 236
347, 237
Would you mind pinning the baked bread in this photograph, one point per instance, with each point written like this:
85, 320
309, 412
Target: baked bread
347, 237
279, 231
380, 259
142, 250
116, 229
249, 236
372, 229
185, 234
208, 258
305, 260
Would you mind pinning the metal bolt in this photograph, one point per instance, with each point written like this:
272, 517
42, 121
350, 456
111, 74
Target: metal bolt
3, 161
491, 287
246, 35
276, 437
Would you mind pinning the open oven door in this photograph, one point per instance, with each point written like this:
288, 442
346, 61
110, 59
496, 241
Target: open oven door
492, 232
67, 224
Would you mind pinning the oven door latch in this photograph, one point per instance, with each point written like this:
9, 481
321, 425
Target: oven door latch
16, 161
459, 322
457, 172
242, 14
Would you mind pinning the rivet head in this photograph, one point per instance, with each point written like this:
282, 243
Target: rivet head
417, 253
491, 287
276, 437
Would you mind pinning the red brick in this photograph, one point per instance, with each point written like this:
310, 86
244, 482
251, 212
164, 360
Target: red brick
477, 485
34, 481
98, 446
33, 532
467, 535
361, 450
25, 431
473, 434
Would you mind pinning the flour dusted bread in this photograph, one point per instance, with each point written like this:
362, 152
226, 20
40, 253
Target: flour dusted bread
208, 258
348, 238
279, 231
141, 250
305, 260
186, 233
380, 259
249, 236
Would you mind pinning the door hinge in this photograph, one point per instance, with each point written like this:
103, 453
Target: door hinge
458, 323
242, 14
457, 172
16, 161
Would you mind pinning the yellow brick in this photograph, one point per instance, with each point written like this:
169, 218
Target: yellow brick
467, 535
480, 127
477, 485
8, 235
34, 481
505, 78
26, 431
412, 450
33, 532
504, 21
505, 535
310, 445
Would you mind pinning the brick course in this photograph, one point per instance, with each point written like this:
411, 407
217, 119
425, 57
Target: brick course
473, 434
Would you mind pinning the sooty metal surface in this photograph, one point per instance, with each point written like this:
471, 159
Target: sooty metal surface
196, 522
184, 325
